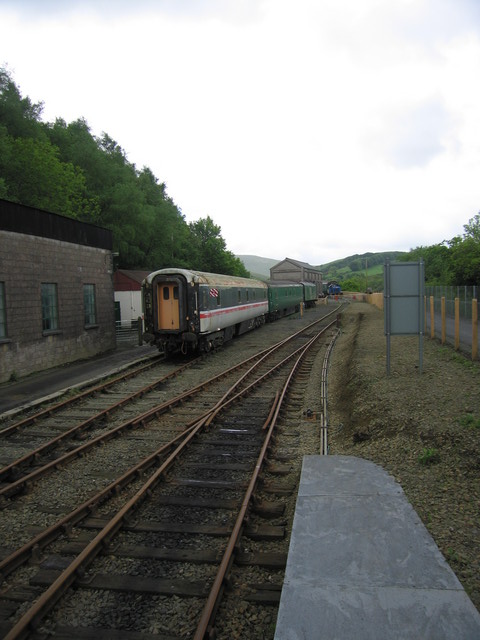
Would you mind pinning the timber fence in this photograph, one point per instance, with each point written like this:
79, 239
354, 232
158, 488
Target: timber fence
451, 315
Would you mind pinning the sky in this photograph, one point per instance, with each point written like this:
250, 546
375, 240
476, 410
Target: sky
314, 129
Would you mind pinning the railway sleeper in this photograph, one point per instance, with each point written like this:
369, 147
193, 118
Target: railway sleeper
152, 553
266, 594
266, 559
94, 633
279, 489
257, 532
266, 509
128, 583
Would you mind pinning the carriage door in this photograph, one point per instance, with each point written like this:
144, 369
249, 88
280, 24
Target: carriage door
168, 307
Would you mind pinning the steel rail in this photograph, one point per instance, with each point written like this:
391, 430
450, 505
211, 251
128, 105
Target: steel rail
23, 554
72, 400
48, 599
324, 399
205, 629
33, 455
13, 488
139, 421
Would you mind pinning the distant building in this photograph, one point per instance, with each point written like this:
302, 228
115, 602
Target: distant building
56, 290
295, 271
128, 295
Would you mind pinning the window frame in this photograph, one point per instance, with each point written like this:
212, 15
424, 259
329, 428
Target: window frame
90, 304
3, 313
50, 315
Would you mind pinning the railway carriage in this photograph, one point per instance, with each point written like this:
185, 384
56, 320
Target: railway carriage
192, 310
284, 298
309, 294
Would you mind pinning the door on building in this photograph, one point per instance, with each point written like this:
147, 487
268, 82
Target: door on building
168, 306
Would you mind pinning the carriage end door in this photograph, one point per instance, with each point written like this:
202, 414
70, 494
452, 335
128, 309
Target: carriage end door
168, 306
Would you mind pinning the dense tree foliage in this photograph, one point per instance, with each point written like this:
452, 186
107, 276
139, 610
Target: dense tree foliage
65, 169
453, 262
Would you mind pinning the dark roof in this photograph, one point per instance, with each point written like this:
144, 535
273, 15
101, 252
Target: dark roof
298, 263
19, 218
128, 280
138, 276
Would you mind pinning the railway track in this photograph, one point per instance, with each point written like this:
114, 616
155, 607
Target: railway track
133, 538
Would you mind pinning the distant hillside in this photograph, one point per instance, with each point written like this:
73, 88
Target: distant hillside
258, 267
365, 269
358, 264
338, 269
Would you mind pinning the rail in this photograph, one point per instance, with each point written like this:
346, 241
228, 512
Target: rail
48, 599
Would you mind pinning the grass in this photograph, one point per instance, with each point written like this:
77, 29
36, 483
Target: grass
469, 421
429, 456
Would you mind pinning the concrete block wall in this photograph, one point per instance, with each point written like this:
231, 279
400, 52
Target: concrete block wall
27, 261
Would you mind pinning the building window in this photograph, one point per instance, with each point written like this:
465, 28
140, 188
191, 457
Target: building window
89, 304
49, 306
3, 312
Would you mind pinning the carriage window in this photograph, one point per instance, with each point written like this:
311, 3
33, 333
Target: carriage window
175, 293
248, 296
218, 299
239, 296
166, 293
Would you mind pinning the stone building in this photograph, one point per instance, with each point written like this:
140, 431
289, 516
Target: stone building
56, 290
295, 271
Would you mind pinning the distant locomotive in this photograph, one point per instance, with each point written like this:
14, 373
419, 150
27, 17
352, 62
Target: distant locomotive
187, 310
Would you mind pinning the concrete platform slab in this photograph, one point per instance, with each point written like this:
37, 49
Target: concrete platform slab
362, 565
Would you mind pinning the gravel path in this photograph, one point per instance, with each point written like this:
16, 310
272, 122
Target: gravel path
424, 429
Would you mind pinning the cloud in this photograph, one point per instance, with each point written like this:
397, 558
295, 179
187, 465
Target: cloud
328, 127
432, 22
227, 10
414, 135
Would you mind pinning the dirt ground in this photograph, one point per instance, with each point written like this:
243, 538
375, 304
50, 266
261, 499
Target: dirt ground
423, 428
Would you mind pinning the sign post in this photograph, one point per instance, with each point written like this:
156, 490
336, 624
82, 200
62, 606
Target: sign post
404, 291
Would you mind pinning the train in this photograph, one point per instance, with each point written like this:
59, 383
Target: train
194, 311
333, 288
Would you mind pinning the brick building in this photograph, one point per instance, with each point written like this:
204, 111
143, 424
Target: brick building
56, 290
295, 271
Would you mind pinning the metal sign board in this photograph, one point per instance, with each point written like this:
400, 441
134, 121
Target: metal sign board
404, 291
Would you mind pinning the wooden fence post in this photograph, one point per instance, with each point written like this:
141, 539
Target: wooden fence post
432, 317
457, 324
474, 329
444, 326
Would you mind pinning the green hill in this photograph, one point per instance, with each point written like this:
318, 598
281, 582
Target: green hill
365, 269
358, 265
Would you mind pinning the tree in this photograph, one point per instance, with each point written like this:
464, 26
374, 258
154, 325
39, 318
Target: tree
437, 263
465, 261
19, 115
472, 229
34, 175
209, 250
63, 168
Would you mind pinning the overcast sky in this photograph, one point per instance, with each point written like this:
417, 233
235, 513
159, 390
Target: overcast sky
312, 129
